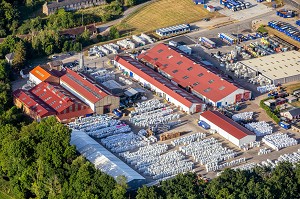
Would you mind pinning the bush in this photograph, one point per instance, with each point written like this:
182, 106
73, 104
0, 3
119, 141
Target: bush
269, 112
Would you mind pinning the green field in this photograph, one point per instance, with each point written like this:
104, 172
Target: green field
163, 13
4, 196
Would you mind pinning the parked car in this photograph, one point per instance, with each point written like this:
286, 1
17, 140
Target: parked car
54, 56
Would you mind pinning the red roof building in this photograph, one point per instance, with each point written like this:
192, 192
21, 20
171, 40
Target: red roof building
31, 105
49, 100
192, 76
99, 100
164, 87
228, 128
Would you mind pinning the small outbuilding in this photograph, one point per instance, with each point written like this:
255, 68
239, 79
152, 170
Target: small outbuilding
10, 57
292, 114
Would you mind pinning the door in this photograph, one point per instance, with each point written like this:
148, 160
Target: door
131, 74
106, 109
246, 95
219, 104
238, 97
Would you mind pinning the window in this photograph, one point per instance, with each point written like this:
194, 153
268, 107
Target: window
175, 71
160, 50
196, 83
185, 77
211, 81
200, 75
207, 90
155, 59
180, 62
221, 88
190, 68
165, 65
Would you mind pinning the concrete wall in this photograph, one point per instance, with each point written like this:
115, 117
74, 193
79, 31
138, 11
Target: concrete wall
34, 79
111, 101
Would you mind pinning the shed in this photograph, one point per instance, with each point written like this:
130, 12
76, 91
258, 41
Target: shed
292, 114
10, 57
228, 128
291, 99
210, 8
270, 102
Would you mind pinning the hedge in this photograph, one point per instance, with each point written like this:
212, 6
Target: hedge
268, 110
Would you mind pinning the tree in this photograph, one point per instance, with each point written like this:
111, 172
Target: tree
114, 33
20, 55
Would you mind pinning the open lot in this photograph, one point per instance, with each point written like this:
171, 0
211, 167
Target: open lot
160, 14
255, 10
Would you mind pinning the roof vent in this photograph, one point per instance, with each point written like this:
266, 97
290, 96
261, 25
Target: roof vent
60, 102
45, 90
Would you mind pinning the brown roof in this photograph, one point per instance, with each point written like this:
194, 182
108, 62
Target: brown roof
78, 30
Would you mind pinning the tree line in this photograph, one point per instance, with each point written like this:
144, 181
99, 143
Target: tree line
283, 182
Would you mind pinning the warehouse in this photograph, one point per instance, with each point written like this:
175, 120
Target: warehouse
105, 160
162, 86
192, 76
47, 99
279, 68
292, 114
99, 100
227, 128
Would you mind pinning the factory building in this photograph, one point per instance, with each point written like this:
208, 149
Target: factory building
157, 83
47, 73
47, 99
173, 30
278, 68
192, 76
105, 160
227, 128
99, 100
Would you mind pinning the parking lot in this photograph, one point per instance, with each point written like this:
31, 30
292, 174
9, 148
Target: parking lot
255, 10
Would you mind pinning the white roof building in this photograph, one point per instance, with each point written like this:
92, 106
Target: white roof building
279, 68
104, 159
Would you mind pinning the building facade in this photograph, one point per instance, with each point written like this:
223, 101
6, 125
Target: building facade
69, 5
160, 85
227, 128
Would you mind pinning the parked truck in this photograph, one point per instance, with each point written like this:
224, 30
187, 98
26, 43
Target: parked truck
227, 38
207, 42
284, 125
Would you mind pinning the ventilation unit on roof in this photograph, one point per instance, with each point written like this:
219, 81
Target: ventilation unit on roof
45, 90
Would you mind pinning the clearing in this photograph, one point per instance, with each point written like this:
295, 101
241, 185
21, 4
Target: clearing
164, 13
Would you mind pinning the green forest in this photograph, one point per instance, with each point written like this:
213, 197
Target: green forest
37, 160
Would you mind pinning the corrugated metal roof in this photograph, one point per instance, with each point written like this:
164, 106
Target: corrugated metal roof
55, 96
187, 73
158, 81
101, 157
226, 124
40, 73
33, 103
91, 92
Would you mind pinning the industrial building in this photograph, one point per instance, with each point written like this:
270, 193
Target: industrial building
47, 99
291, 114
63, 93
156, 82
194, 77
173, 30
227, 128
277, 69
105, 160
99, 100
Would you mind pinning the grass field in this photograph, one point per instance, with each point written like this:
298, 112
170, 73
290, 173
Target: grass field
4, 196
163, 13
290, 88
